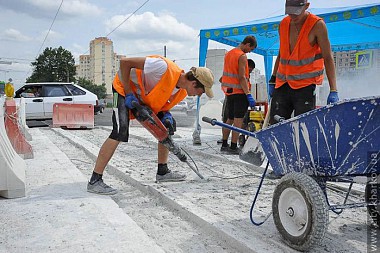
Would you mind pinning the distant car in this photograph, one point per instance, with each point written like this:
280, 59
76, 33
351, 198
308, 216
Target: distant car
40, 98
181, 106
99, 107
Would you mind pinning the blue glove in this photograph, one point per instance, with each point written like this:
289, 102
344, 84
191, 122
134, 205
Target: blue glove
271, 85
129, 98
167, 117
333, 97
270, 89
251, 101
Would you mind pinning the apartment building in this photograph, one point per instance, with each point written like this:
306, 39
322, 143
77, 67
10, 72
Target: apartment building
101, 65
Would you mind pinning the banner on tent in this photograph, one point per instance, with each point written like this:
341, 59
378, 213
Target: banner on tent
364, 59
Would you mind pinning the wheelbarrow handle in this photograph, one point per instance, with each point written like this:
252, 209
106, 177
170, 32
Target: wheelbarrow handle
209, 120
233, 128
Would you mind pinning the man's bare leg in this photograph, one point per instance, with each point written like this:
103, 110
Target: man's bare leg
105, 154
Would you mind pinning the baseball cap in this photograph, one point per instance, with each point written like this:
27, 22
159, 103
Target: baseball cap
294, 6
205, 77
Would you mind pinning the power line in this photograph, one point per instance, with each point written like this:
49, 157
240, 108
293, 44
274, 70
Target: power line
123, 21
128, 17
47, 34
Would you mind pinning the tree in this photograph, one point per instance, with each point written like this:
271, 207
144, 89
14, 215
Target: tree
99, 90
53, 65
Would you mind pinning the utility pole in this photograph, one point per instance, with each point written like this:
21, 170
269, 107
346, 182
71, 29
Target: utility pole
68, 76
165, 51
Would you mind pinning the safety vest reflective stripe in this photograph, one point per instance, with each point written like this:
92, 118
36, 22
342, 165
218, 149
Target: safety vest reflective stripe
300, 76
230, 75
300, 62
231, 85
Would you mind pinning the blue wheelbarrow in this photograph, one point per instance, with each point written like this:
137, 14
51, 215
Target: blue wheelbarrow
336, 143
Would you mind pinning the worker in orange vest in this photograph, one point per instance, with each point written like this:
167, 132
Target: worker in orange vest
304, 54
236, 87
159, 84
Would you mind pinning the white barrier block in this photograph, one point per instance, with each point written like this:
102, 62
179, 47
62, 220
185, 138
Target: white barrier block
12, 166
22, 119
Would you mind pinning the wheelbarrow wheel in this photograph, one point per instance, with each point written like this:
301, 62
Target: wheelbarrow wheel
372, 197
300, 211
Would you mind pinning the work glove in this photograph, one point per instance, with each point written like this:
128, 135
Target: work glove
167, 118
129, 98
333, 97
271, 85
251, 101
168, 122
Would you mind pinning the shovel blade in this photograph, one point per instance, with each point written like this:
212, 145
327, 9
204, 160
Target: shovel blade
252, 152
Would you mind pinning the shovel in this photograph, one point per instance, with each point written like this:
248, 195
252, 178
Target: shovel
252, 155
252, 151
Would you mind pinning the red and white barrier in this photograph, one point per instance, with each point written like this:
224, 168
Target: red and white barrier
73, 115
12, 166
14, 131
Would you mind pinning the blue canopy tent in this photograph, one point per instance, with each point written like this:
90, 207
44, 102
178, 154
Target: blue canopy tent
349, 28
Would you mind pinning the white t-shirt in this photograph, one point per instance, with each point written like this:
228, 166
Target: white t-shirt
154, 68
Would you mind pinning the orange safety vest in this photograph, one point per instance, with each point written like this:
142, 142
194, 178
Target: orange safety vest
230, 78
305, 65
160, 98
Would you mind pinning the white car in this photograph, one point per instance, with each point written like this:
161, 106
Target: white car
181, 106
40, 98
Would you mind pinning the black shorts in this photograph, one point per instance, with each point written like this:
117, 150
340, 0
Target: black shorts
285, 100
225, 110
237, 106
120, 119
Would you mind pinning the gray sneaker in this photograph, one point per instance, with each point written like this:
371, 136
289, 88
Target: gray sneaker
171, 176
99, 187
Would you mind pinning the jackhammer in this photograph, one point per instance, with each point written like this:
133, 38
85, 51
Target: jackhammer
162, 132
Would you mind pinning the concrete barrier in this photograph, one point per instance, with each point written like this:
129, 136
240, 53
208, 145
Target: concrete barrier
22, 119
15, 134
12, 166
73, 115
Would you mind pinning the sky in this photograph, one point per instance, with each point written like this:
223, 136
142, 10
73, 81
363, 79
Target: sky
137, 28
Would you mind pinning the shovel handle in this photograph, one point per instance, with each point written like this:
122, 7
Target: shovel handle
233, 128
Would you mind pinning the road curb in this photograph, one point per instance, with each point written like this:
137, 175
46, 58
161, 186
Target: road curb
227, 239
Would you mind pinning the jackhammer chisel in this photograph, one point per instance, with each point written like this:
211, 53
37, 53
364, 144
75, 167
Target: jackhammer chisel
149, 120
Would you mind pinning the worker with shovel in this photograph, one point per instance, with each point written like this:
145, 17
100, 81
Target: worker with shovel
158, 84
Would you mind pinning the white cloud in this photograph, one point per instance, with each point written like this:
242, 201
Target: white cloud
80, 8
14, 35
48, 8
148, 33
150, 26
52, 36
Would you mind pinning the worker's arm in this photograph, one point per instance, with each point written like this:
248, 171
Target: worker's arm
242, 70
126, 64
324, 44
